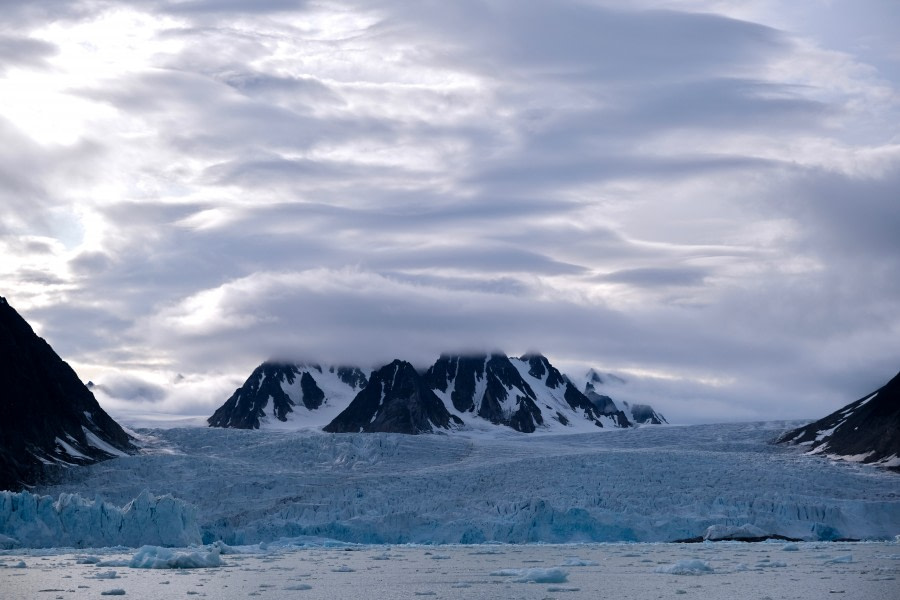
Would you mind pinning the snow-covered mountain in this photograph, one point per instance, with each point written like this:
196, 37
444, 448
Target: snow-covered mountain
396, 400
290, 396
866, 431
49, 417
596, 388
525, 394
481, 391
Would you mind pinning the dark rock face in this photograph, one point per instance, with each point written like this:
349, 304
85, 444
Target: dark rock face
44, 407
603, 402
396, 400
247, 405
645, 415
500, 382
250, 402
633, 414
493, 388
312, 394
352, 376
870, 426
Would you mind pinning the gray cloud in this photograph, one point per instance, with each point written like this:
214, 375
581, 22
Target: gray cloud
24, 51
658, 276
661, 193
130, 389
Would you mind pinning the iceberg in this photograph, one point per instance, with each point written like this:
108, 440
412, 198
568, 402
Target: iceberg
155, 557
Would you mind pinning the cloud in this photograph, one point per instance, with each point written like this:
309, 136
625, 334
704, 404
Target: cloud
697, 198
656, 276
127, 388
23, 51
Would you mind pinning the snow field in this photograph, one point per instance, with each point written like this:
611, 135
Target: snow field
317, 570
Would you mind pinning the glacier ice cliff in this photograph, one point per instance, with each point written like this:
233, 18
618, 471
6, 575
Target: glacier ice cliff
34, 521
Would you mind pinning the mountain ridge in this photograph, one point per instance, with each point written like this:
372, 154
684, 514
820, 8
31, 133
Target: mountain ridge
482, 390
866, 430
50, 418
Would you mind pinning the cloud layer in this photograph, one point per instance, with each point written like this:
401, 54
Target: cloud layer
701, 195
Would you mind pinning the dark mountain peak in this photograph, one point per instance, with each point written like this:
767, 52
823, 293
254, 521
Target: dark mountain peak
867, 430
49, 417
352, 376
275, 389
594, 377
540, 366
604, 403
395, 400
644, 414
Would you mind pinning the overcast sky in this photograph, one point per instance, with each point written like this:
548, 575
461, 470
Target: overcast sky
700, 195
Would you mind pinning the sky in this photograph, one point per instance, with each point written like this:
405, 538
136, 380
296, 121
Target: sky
702, 196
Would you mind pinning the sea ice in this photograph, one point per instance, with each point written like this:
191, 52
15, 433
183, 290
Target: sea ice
554, 575
690, 566
154, 557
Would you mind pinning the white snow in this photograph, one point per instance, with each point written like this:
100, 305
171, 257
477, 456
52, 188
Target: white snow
555, 400
68, 449
338, 396
98, 443
890, 461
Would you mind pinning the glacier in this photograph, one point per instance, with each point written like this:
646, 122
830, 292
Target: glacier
31, 520
647, 484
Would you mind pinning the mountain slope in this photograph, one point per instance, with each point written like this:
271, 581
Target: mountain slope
526, 394
289, 396
866, 431
396, 400
637, 414
49, 417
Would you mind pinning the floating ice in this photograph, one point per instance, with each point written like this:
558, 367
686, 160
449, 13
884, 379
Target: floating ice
790, 547
574, 561
154, 557
106, 575
554, 575
690, 566
716, 533
846, 558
